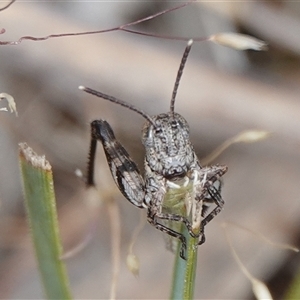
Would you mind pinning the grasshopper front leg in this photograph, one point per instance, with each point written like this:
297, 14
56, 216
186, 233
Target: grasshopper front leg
213, 195
123, 169
212, 186
217, 199
152, 219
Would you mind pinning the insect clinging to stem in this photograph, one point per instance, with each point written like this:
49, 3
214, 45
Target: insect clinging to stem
175, 187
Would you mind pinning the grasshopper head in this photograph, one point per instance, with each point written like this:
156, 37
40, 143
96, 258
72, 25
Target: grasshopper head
168, 149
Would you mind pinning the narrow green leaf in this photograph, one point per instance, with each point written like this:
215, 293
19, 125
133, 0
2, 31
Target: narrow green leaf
42, 217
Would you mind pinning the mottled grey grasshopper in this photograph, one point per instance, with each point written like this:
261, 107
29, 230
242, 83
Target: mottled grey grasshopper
175, 187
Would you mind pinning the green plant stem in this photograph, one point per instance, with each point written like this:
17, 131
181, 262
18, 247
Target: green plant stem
42, 217
185, 270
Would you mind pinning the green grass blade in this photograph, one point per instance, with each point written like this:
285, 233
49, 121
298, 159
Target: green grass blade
294, 290
184, 274
42, 217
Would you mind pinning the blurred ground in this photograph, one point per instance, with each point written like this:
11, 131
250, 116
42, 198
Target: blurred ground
222, 92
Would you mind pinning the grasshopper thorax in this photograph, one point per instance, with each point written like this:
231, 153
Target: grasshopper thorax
168, 149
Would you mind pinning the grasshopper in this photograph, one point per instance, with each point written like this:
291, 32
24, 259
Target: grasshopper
175, 187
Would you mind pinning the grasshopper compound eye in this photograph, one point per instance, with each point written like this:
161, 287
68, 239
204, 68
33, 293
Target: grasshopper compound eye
175, 188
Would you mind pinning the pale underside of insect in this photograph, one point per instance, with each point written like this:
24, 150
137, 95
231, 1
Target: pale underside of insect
176, 190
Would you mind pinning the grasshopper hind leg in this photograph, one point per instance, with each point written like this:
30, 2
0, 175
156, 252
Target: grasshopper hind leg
123, 169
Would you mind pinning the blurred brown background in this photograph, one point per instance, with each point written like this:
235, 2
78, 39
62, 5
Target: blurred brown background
222, 93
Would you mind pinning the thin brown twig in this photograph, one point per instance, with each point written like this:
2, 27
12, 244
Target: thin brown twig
8, 5
166, 37
157, 14
121, 28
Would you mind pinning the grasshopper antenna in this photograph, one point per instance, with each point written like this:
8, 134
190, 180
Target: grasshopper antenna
179, 73
117, 101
